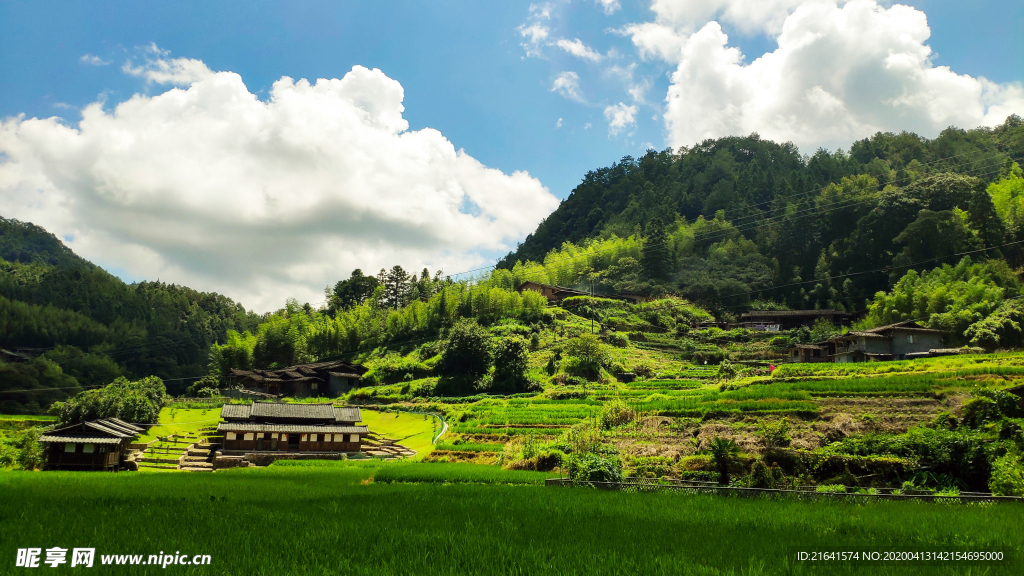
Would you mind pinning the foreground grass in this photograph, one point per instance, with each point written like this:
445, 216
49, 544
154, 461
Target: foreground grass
335, 520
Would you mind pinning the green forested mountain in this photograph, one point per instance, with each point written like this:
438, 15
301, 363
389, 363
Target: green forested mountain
88, 327
739, 218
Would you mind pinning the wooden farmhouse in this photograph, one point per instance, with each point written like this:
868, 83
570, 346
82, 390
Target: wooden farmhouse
327, 379
96, 445
775, 320
555, 294
900, 341
291, 428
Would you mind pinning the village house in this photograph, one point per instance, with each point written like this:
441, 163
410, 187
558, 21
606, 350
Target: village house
775, 320
327, 379
291, 428
900, 341
555, 294
95, 445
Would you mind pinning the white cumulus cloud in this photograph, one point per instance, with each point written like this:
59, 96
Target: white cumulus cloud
619, 117
160, 70
746, 15
93, 60
577, 48
568, 85
839, 73
261, 200
609, 6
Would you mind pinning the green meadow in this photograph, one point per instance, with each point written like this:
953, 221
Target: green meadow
413, 518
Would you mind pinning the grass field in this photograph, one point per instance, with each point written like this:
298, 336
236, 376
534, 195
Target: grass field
333, 519
181, 421
411, 430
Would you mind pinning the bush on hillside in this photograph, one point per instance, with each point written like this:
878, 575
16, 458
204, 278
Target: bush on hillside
510, 360
138, 401
594, 468
584, 357
467, 351
1007, 476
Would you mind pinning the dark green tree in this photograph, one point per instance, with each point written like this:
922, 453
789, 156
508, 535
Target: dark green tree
351, 292
656, 258
511, 355
467, 351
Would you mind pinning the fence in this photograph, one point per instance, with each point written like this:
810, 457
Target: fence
696, 487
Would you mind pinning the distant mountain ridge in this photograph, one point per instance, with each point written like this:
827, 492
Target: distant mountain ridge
93, 325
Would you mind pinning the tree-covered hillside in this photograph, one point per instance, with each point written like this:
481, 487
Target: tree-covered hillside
87, 327
739, 218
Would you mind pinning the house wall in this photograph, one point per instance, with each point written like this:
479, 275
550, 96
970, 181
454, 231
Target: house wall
272, 441
58, 459
875, 345
338, 386
923, 341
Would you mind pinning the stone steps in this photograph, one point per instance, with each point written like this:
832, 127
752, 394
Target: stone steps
151, 460
196, 469
158, 466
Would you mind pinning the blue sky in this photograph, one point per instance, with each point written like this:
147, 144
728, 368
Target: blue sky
471, 71
460, 62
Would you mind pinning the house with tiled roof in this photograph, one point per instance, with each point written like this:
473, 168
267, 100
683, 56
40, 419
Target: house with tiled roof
291, 428
94, 445
326, 379
899, 341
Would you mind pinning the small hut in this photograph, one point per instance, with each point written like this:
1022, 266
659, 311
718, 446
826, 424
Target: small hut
94, 445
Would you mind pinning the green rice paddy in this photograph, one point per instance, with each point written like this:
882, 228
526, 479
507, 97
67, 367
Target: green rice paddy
354, 519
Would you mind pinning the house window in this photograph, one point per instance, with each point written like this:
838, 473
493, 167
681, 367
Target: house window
69, 447
248, 436
89, 448
314, 386
304, 436
910, 339
230, 436
353, 438
328, 437
315, 438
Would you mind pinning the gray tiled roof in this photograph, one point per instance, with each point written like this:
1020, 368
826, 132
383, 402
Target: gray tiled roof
235, 411
124, 424
297, 428
99, 427
281, 410
79, 439
348, 414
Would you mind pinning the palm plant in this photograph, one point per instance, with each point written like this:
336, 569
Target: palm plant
722, 450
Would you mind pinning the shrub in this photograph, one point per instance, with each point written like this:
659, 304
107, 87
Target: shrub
616, 413
1007, 476
138, 401
594, 468
510, 360
29, 454
643, 370
588, 349
709, 356
831, 489
774, 434
467, 352
617, 339
581, 367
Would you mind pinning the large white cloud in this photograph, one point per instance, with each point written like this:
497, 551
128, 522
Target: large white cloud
211, 187
839, 73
